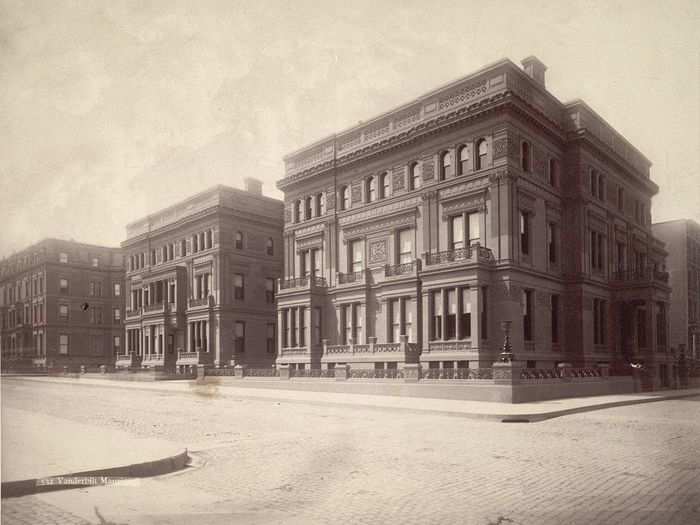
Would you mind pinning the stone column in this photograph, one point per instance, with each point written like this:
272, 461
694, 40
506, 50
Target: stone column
475, 302
443, 304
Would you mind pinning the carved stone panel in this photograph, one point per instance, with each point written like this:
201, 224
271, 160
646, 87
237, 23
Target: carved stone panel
377, 251
500, 148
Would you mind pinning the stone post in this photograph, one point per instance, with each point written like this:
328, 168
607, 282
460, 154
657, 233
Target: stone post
200, 372
507, 373
411, 372
372, 340
239, 371
342, 372
604, 369
565, 371
284, 371
103, 369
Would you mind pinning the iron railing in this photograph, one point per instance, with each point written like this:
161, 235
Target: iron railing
312, 372
353, 277
400, 269
375, 373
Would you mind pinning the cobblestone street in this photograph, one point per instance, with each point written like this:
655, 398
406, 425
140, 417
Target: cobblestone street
266, 461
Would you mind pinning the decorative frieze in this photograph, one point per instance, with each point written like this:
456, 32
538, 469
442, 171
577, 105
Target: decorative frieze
466, 187
468, 204
380, 212
407, 220
377, 251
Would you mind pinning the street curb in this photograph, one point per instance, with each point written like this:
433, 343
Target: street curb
495, 417
14, 489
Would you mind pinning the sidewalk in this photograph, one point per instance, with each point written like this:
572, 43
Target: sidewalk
506, 412
60, 447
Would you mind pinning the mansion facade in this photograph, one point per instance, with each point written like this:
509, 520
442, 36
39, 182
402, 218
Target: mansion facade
411, 237
200, 281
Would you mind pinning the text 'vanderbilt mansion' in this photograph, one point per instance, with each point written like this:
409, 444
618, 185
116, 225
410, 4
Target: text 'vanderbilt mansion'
411, 237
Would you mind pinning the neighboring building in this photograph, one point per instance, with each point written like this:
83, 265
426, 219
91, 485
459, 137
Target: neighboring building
61, 304
200, 281
682, 238
410, 237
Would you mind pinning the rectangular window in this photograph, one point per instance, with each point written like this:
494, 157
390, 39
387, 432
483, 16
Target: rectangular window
316, 260
63, 258
357, 320
356, 252
183, 248
95, 262
620, 198
117, 315
555, 318
269, 290
63, 285
457, 232
527, 315
302, 326
465, 315
270, 338
239, 337
408, 319
524, 233
316, 326
405, 246
437, 315
451, 319
552, 242
395, 309
661, 324
238, 286
600, 320
347, 324
117, 344
621, 257
63, 312
473, 221
63, 344
596, 251
117, 289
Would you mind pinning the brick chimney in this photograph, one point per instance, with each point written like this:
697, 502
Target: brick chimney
534, 69
253, 185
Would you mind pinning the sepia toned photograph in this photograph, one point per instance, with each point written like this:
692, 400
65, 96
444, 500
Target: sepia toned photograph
390, 262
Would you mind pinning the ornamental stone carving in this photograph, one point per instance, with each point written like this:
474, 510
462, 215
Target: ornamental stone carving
464, 188
500, 148
377, 251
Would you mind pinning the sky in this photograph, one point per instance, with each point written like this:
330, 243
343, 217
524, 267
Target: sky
110, 110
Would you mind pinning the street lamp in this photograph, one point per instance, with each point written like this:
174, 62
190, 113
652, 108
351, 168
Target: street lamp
506, 356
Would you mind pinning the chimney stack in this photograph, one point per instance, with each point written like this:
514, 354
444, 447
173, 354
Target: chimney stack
253, 185
534, 69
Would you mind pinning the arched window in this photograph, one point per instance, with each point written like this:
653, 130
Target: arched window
463, 159
482, 150
344, 195
308, 212
297, 211
525, 156
384, 188
238, 241
415, 174
320, 204
371, 189
445, 165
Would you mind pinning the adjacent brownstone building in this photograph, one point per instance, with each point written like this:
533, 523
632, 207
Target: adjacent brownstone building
682, 238
409, 238
200, 281
61, 304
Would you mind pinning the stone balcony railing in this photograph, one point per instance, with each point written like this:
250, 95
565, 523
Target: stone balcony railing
131, 314
472, 254
352, 277
200, 301
402, 349
448, 346
640, 275
155, 307
200, 356
408, 268
154, 357
295, 351
302, 283
130, 359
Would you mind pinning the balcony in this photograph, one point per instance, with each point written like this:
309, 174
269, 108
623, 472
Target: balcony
133, 314
474, 254
370, 352
352, 277
443, 347
302, 283
646, 275
150, 360
409, 268
200, 301
200, 357
128, 360
154, 308
295, 351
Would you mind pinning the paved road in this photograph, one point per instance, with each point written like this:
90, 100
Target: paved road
263, 461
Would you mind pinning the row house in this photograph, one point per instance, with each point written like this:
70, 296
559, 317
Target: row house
61, 304
200, 281
411, 237
682, 239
